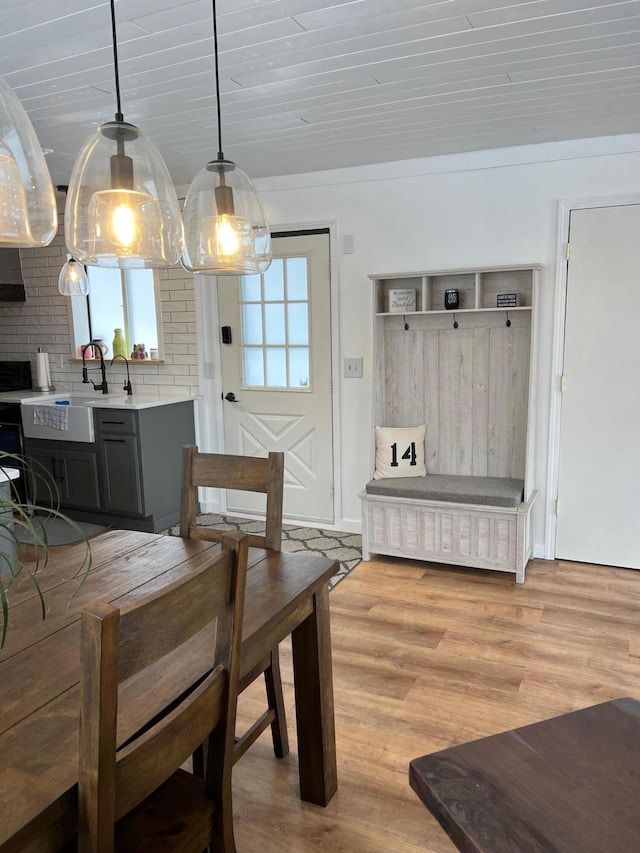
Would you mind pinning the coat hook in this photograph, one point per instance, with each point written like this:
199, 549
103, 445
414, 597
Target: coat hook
406, 325
455, 322
508, 323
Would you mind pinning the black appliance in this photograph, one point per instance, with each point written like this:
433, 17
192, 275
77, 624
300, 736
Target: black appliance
14, 376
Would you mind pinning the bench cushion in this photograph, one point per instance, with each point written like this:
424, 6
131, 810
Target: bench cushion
486, 491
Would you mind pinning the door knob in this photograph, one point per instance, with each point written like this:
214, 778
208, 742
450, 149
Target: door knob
231, 397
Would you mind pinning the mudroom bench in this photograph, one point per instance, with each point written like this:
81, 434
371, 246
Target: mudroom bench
482, 522
454, 381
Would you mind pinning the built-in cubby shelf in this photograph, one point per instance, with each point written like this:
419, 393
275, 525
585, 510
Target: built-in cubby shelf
477, 289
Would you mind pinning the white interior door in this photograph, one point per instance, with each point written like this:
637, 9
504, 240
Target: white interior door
278, 369
599, 467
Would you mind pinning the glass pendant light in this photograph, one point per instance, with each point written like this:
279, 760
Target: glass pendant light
28, 215
122, 209
226, 232
73, 279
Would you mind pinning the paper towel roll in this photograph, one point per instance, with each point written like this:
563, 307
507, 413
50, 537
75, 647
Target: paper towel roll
43, 372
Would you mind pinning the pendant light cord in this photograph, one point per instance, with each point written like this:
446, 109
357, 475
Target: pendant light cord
215, 54
119, 116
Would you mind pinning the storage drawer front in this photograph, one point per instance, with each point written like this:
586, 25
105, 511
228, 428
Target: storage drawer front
116, 422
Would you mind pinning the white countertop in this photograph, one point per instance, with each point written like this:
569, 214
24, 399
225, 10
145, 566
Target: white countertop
7, 474
97, 400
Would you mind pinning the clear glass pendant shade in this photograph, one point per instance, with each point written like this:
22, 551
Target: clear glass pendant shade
73, 279
122, 209
226, 232
28, 215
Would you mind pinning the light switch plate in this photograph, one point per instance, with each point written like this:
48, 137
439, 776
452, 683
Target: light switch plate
353, 368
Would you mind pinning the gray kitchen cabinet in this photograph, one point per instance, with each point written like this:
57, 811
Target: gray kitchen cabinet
72, 467
130, 476
121, 475
139, 455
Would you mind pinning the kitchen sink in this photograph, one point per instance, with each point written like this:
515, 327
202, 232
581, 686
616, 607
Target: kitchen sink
44, 419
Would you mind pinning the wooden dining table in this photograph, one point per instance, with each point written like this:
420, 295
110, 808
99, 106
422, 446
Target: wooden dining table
287, 594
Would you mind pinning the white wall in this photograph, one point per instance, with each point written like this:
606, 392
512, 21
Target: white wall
483, 208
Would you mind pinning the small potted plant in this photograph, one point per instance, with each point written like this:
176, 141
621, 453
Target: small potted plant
24, 543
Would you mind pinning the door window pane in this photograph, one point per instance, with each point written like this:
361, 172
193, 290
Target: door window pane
253, 367
274, 324
299, 367
276, 367
274, 281
275, 329
250, 288
297, 278
252, 324
298, 323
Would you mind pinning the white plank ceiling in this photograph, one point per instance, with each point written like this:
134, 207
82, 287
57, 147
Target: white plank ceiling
317, 84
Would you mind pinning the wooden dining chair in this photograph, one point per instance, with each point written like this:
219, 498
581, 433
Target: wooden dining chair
158, 680
252, 474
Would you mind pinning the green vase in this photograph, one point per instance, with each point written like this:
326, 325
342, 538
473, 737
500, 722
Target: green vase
119, 343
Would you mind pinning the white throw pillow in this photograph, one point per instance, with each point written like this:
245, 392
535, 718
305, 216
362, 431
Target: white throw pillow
400, 452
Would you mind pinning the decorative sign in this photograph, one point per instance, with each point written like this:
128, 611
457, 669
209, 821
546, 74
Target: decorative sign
507, 300
402, 301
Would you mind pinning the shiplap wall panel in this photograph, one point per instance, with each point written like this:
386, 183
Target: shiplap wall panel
455, 401
404, 386
430, 383
321, 84
468, 385
480, 412
508, 393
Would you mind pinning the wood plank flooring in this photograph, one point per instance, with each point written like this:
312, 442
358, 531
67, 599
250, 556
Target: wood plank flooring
425, 657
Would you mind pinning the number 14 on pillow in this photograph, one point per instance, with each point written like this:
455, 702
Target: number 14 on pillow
400, 452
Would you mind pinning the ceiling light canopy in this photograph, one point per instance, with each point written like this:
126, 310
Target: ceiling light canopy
226, 232
28, 215
122, 209
73, 279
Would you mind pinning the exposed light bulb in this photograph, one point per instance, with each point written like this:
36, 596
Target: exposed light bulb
124, 225
119, 217
225, 239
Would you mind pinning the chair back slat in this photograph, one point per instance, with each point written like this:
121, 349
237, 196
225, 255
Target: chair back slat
145, 763
237, 473
224, 471
119, 650
168, 618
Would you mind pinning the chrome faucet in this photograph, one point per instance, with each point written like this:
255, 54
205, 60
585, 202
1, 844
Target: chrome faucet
103, 371
127, 385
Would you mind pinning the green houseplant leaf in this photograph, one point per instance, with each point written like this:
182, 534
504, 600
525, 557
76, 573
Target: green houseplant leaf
20, 521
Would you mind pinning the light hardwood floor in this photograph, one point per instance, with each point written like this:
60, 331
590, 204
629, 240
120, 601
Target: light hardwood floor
424, 658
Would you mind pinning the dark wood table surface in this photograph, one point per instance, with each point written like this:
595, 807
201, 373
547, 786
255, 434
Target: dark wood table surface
40, 665
570, 784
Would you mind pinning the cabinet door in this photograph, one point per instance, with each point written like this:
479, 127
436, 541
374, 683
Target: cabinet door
42, 480
78, 477
121, 486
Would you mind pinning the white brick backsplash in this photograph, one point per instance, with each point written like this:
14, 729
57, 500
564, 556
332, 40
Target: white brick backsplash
44, 320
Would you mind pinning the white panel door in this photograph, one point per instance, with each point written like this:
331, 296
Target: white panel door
599, 471
278, 369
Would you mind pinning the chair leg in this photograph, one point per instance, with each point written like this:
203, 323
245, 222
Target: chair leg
275, 699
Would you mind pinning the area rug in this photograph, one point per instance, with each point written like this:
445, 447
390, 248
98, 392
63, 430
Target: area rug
344, 547
58, 531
